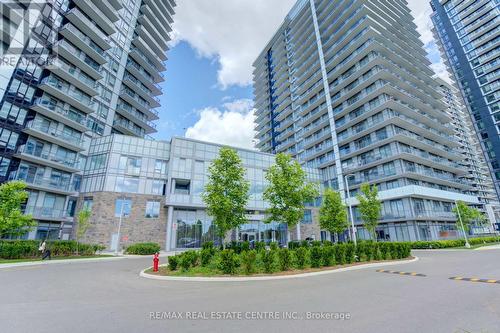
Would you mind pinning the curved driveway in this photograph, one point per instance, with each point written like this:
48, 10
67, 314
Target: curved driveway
111, 297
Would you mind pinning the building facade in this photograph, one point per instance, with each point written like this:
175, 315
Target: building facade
345, 87
71, 71
468, 35
477, 174
155, 188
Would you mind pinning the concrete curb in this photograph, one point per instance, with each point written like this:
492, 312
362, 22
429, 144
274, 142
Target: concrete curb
488, 247
57, 262
271, 277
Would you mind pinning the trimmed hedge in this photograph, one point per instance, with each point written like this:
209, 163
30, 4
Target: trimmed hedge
442, 244
274, 259
143, 248
26, 249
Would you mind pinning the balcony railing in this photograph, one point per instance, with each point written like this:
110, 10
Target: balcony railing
73, 163
49, 183
70, 91
76, 117
42, 127
46, 213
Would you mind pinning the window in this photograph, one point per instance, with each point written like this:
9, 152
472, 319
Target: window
127, 184
87, 203
182, 186
161, 166
307, 217
157, 187
123, 207
4, 166
130, 164
152, 209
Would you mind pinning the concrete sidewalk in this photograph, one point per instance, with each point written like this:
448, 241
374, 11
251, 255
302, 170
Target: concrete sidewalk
163, 254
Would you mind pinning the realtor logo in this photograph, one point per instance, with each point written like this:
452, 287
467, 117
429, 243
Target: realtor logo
19, 18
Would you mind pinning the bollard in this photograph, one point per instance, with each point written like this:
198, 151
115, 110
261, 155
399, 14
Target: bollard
156, 261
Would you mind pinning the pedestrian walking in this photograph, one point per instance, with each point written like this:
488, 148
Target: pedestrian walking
45, 251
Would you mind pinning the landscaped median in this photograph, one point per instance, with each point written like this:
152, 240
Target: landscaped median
239, 261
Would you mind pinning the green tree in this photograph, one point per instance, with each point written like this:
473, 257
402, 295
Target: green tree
12, 220
370, 208
469, 216
333, 213
83, 218
226, 193
288, 191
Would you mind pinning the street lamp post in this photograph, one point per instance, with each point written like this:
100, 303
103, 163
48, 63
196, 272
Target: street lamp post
467, 245
119, 227
353, 228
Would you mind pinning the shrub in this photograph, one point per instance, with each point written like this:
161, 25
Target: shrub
143, 248
301, 255
393, 250
377, 255
269, 261
260, 246
304, 243
274, 246
339, 250
383, 251
20, 249
293, 245
206, 256
316, 252
327, 243
173, 262
249, 259
328, 253
284, 259
207, 245
245, 246
188, 259
369, 249
315, 243
350, 253
360, 251
228, 261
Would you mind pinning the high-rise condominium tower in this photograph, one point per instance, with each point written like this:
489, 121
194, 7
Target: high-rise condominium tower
72, 70
468, 36
345, 86
477, 173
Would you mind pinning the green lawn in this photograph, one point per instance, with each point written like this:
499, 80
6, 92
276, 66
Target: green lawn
11, 261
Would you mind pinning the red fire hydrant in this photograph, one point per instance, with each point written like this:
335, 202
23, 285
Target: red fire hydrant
156, 262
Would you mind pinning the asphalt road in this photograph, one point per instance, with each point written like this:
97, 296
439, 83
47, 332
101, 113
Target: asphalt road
111, 297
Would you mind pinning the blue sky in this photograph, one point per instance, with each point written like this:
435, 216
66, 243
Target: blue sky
191, 85
207, 94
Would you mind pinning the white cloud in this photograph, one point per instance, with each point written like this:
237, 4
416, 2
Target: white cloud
232, 125
421, 11
234, 32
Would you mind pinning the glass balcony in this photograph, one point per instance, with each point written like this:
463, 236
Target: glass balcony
73, 163
46, 213
42, 127
78, 58
56, 184
84, 42
74, 117
128, 127
69, 94
82, 22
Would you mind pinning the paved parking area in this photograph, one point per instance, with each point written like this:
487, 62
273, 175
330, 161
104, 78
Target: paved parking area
111, 297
